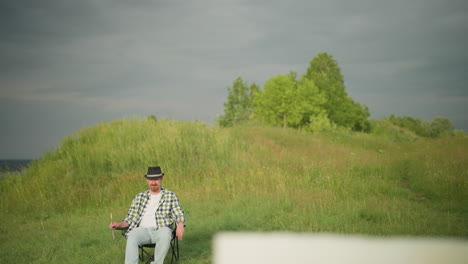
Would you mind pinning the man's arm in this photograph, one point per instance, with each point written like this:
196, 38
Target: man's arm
180, 230
119, 225
180, 217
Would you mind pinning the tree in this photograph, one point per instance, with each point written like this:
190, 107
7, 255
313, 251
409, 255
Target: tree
438, 127
340, 108
362, 118
275, 103
288, 102
413, 124
357, 116
308, 104
239, 106
326, 74
441, 127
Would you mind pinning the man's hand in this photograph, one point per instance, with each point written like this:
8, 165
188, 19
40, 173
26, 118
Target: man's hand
180, 230
113, 225
119, 225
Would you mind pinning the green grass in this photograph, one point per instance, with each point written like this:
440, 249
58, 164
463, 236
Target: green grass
251, 178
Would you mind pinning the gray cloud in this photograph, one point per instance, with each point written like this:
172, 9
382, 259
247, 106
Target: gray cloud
103, 60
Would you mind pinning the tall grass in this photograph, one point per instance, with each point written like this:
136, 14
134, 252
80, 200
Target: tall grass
243, 178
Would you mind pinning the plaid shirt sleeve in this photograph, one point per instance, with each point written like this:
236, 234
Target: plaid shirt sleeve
135, 212
169, 210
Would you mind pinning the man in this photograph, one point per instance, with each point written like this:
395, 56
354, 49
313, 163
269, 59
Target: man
150, 217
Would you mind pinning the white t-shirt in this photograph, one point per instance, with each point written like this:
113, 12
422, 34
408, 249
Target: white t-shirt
149, 218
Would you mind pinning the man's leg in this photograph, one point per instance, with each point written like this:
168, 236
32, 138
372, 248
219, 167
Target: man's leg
162, 237
136, 237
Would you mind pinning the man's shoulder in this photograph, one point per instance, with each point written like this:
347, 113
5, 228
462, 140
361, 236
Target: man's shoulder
167, 192
142, 194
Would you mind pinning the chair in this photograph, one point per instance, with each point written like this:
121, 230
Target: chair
145, 254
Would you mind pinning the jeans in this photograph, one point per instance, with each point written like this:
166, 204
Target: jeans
140, 236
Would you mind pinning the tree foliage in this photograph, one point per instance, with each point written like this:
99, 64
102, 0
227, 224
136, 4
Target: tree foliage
288, 102
275, 103
316, 101
239, 106
340, 108
441, 127
308, 104
438, 127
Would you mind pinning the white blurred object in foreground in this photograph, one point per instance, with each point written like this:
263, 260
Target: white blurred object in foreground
297, 248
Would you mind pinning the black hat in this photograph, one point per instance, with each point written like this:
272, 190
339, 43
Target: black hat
154, 173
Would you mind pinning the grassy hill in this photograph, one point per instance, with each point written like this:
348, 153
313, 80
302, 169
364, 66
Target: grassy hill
386, 183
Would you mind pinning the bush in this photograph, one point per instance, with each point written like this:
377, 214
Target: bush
441, 127
319, 124
459, 133
437, 128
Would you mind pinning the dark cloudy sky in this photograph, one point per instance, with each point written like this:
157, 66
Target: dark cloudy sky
68, 64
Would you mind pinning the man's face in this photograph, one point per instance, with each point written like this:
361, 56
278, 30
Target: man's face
154, 185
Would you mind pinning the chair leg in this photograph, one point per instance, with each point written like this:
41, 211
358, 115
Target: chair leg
140, 255
176, 254
145, 255
174, 249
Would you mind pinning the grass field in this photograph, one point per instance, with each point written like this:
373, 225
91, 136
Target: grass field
250, 178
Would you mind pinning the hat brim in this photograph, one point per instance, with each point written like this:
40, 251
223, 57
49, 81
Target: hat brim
154, 177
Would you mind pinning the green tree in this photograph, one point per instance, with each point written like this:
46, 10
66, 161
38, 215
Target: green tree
326, 74
288, 102
357, 116
340, 108
239, 106
275, 103
438, 127
413, 124
441, 127
308, 104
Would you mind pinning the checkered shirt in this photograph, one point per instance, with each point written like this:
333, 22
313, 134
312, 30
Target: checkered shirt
168, 213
